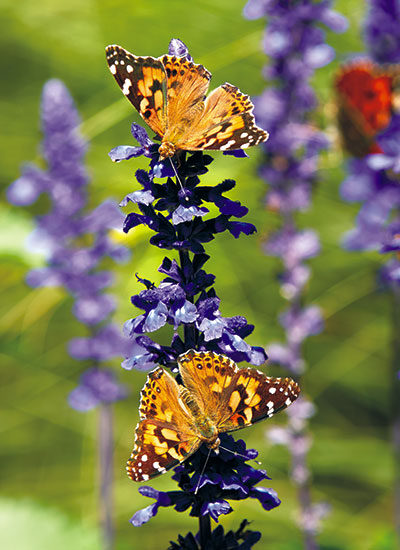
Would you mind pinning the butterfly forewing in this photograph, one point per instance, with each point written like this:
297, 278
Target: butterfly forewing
255, 396
234, 398
165, 435
187, 85
143, 81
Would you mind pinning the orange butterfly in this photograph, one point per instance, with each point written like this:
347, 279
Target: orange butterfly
217, 397
169, 93
367, 97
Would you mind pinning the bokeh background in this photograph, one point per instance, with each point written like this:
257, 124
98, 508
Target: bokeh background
48, 451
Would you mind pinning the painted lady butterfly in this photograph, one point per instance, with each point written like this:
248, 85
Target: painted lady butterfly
169, 93
367, 97
217, 397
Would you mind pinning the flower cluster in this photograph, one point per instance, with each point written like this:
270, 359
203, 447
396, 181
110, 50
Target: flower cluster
374, 179
295, 44
178, 211
227, 477
185, 297
74, 241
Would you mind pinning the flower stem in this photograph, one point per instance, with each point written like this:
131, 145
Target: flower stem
396, 408
304, 497
205, 531
189, 330
106, 474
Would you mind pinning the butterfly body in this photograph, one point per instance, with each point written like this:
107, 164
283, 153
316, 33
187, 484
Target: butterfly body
216, 397
169, 93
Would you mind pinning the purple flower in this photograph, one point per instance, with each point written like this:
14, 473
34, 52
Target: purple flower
96, 386
381, 31
389, 143
294, 41
59, 234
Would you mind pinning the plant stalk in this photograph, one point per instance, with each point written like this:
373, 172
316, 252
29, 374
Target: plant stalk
105, 436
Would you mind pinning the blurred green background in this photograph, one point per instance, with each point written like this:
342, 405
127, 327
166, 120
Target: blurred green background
48, 451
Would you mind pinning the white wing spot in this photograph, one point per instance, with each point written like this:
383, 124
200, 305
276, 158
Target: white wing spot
244, 134
113, 69
144, 458
126, 86
156, 465
288, 401
129, 68
272, 390
122, 62
270, 404
228, 144
145, 477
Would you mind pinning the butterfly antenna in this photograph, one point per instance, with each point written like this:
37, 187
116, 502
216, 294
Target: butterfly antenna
176, 173
239, 454
202, 472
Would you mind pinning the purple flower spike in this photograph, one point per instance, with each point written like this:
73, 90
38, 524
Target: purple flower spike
60, 233
294, 41
97, 386
373, 180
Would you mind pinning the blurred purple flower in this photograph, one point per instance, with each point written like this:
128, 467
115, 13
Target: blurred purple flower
294, 41
373, 180
381, 30
96, 386
59, 234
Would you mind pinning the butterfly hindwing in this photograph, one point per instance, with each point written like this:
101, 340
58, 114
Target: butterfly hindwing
187, 85
164, 436
227, 123
143, 81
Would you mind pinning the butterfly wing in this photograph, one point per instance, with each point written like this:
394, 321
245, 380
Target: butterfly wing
165, 435
144, 82
364, 106
187, 85
234, 398
225, 123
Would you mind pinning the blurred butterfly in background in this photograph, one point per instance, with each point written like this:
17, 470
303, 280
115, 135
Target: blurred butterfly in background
368, 95
169, 94
217, 396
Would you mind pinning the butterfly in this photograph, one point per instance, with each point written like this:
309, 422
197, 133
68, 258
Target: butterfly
217, 396
367, 97
169, 94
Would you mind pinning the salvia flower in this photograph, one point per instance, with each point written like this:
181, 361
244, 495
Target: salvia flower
374, 179
61, 234
295, 43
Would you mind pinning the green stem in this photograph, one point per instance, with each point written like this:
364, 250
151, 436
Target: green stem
396, 408
106, 474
